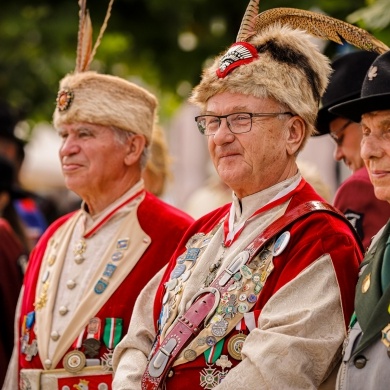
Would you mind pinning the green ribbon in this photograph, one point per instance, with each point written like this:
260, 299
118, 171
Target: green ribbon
112, 332
215, 352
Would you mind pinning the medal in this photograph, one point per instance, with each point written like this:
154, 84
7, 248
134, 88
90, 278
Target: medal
209, 376
123, 243
192, 254
92, 347
219, 328
246, 272
111, 336
235, 344
74, 361
386, 336
189, 355
31, 350
366, 283
101, 286
281, 243
178, 271
78, 251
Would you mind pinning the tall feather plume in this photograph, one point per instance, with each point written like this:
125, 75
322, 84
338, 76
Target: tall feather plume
85, 52
247, 27
321, 26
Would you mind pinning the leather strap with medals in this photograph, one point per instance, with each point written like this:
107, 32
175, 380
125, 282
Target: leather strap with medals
206, 301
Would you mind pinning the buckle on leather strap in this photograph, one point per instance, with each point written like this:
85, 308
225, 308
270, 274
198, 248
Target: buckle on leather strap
157, 364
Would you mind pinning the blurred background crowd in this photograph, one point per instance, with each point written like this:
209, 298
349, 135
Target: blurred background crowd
158, 44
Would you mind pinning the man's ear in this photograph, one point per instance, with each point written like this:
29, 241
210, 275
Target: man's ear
135, 146
296, 134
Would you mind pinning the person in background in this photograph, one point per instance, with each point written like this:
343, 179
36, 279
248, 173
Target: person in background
275, 294
11, 251
88, 268
157, 171
33, 210
367, 348
355, 197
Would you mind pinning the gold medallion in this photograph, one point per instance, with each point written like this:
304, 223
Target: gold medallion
366, 283
74, 361
235, 345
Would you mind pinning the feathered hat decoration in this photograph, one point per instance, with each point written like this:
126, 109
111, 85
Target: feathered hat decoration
274, 56
316, 24
86, 96
85, 53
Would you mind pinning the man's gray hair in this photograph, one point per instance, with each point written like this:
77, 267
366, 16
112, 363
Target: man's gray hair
122, 136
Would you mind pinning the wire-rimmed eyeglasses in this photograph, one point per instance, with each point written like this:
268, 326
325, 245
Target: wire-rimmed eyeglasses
238, 122
338, 134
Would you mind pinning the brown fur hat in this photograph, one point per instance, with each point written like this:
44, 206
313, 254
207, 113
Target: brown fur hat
105, 100
286, 66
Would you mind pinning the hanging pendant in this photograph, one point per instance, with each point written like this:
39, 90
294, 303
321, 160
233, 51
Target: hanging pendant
78, 251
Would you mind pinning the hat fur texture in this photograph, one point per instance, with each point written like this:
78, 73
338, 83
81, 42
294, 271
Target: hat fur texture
106, 100
289, 68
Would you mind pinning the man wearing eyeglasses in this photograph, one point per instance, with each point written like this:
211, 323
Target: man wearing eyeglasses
355, 197
228, 313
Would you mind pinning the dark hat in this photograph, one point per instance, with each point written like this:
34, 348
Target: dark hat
375, 94
345, 84
7, 179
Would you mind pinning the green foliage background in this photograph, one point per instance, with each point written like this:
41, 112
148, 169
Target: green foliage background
38, 42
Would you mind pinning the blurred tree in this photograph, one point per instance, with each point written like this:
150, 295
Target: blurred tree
161, 44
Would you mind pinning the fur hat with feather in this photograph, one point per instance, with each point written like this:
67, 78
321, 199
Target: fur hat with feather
86, 96
274, 57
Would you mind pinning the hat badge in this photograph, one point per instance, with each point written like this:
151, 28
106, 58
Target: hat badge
64, 99
238, 54
372, 72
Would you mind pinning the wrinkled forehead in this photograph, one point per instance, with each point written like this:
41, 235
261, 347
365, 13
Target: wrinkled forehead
380, 117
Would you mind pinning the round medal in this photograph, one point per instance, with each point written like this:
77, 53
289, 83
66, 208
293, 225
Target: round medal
281, 243
235, 344
201, 341
92, 347
74, 361
211, 340
189, 355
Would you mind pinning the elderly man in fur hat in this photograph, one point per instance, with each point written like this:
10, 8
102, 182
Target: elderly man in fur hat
259, 293
89, 267
367, 349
